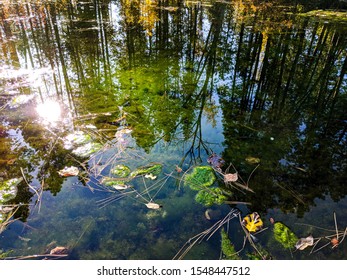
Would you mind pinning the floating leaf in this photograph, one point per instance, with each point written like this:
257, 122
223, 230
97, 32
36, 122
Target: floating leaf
59, 251
253, 160
303, 243
69, 171
230, 177
252, 222
216, 161
152, 205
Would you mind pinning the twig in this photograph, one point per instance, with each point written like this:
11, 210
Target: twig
337, 232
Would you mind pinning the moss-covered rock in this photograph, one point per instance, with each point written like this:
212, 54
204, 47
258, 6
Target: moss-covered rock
227, 247
210, 197
121, 170
284, 235
201, 177
154, 169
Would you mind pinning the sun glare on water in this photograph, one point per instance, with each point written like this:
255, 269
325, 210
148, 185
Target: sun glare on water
49, 112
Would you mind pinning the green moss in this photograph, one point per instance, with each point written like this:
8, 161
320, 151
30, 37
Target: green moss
121, 170
153, 169
228, 248
284, 235
210, 197
200, 177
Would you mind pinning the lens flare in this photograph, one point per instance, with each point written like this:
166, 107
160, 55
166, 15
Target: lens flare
49, 112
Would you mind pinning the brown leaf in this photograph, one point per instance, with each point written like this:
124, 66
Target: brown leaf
59, 251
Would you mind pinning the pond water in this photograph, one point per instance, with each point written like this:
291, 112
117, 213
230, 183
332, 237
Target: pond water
100, 85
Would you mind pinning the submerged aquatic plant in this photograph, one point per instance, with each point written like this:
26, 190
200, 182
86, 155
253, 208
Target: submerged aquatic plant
121, 170
210, 196
227, 247
201, 177
259, 254
284, 235
154, 169
87, 150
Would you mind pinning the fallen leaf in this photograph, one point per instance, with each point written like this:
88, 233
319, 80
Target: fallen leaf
68, 171
59, 251
230, 177
303, 243
252, 222
152, 205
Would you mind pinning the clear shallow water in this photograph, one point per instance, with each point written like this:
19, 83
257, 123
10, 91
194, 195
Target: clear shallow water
186, 85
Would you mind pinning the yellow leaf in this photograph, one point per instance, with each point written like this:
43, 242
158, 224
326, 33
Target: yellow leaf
252, 222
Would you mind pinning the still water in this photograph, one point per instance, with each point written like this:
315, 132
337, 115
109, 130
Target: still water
101, 84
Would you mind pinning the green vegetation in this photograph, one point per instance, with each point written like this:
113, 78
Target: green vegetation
201, 177
334, 16
210, 196
284, 235
154, 169
121, 170
227, 247
88, 149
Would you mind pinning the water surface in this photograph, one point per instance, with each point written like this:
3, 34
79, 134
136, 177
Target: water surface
170, 83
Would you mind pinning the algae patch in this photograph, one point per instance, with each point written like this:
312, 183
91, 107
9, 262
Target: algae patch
200, 177
284, 235
153, 169
227, 247
121, 170
210, 197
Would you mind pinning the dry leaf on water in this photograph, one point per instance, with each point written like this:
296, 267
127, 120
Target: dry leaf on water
303, 243
59, 251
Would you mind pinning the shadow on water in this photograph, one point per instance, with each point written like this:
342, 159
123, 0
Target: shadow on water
101, 84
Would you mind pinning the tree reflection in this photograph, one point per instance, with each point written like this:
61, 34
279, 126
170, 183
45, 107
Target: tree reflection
280, 81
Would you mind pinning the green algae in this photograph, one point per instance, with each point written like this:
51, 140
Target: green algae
115, 182
121, 170
200, 177
227, 247
153, 169
284, 235
87, 150
210, 197
77, 138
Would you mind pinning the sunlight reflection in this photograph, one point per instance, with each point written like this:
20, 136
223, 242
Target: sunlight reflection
50, 112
